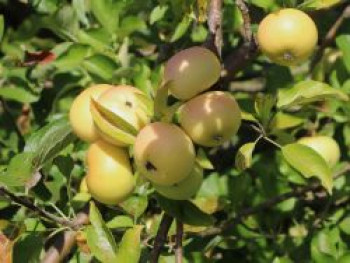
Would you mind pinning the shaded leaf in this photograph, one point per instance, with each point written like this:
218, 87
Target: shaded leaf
202, 160
100, 66
319, 4
181, 28
343, 43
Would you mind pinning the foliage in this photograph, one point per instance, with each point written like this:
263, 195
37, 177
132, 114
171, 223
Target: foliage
51, 50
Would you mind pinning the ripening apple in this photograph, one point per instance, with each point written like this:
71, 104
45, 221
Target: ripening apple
185, 189
192, 71
109, 179
79, 115
163, 153
124, 112
211, 119
325, 146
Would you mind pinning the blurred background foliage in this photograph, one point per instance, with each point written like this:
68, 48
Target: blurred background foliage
51, 50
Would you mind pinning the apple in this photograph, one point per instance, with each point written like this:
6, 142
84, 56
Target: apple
185, 189
119, 113
79, 115
109, 179
192, 71
287, 36
163, 153
325, 146
210, 119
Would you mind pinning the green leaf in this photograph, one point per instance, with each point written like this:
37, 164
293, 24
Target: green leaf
32, 244
130, 247
107, 13
308, 91
185, 211
80, 7
161, 100
309, 163
203, 160
135, 205
131, 24
343, 43
243, 158
49, 141
18, 94
73, 57
318, 4
99, 237
2, 27
181, 28
157, 13
100, 66
323, 246
282, 121
120, 222
263, 107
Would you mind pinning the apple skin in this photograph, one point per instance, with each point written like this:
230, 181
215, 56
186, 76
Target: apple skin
211, 119
163, 153
185, 189
192, 71
122, 101
325, 146
109, 179
287, 36
79, 115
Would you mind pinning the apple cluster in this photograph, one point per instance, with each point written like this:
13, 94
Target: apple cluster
113, 118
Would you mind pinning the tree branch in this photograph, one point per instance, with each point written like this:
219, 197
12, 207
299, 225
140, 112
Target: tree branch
227, 226
214, 41
330, 36
239, 58
161, 237
178, 241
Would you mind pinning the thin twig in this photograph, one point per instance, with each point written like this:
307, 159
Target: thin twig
298, 192
161, 237
248, 34
330, 36
178, 242
13, 123
214, 41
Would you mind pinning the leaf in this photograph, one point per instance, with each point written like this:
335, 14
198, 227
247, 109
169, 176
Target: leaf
157, 13
73, 57
309, 163
135, 205
243, 158
33, 244
130, 247
81, 10
203, 161
131, 24
318, 4
185, 211
113, 117
18, 94
181, 28
120, 221
161, 99
308, 91
107, 13
101, 66
283, 121
50, 140
99, 237
343, 43
2, 27
263, 107
110, 130
202, 10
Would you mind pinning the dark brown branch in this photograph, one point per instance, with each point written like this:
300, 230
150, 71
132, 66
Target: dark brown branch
161, 237
41, 212
240, 57
299, 192
178, 241
330, 36
214, 41
64, 242
13, 123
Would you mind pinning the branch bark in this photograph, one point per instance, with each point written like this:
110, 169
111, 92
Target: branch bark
214, 41
330, 36
178, 242
227, 226
161, 237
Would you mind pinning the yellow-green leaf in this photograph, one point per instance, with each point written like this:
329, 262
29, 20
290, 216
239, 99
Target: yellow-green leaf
130, 247
244, 156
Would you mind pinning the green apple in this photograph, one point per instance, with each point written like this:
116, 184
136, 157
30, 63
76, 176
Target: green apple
185, 189
163, 153
192, 71
109, 179
325, 146
211, 119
